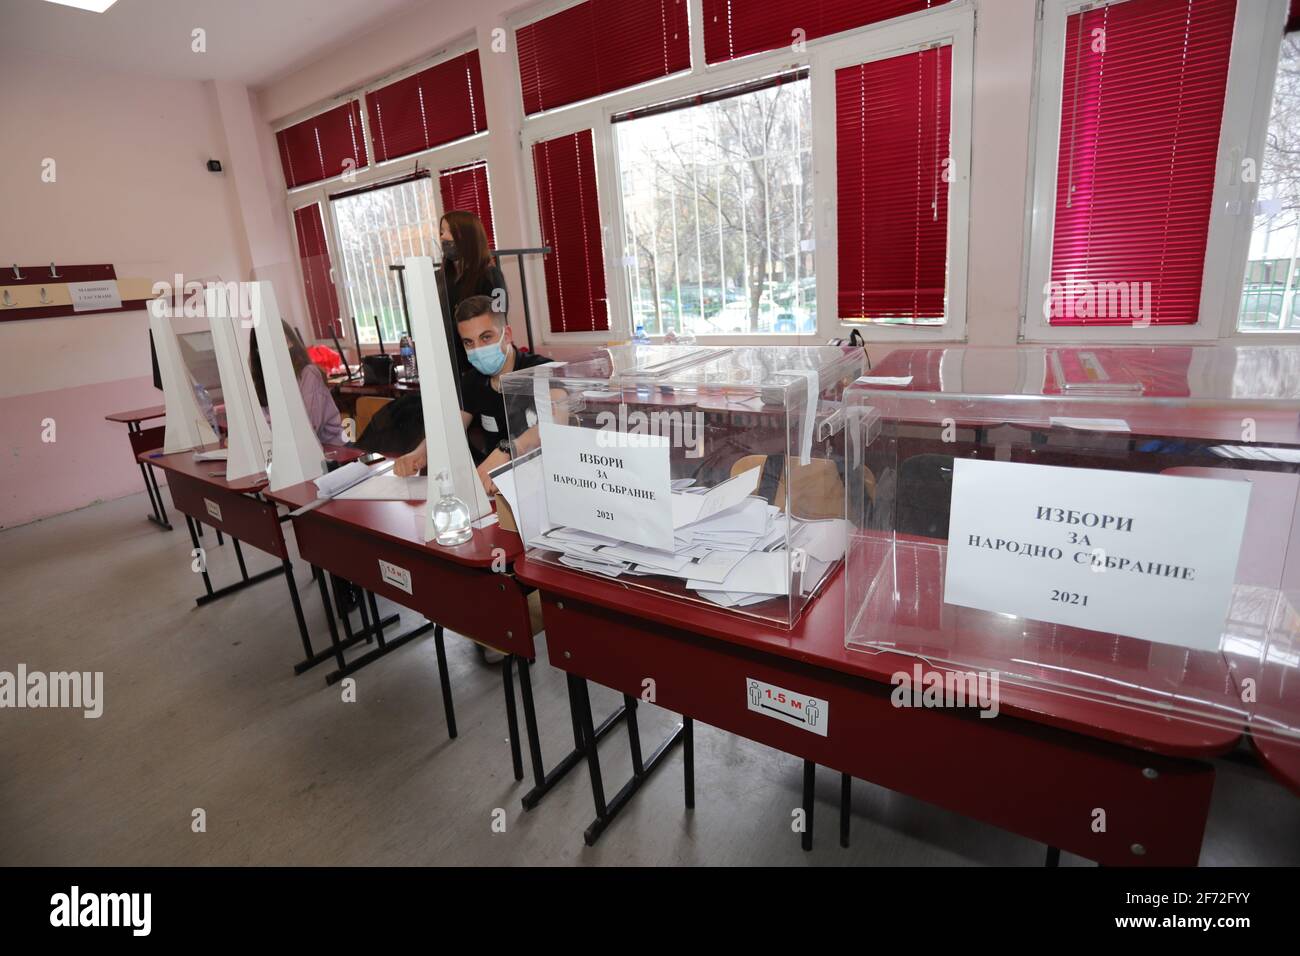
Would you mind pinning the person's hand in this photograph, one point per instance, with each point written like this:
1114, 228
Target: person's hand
491, 463
488, 484
411, 463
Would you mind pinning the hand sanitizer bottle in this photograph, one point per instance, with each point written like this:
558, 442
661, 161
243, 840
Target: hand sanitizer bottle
451, 524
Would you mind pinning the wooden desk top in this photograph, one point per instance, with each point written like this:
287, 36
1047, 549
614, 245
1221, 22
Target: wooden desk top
213, 472
138, 414
818, 640
402, 523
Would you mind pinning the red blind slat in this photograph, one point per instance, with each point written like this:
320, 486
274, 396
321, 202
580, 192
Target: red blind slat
1140, 116
1293, 17
565, 170
426, 109
735, 28
466, 187
600, 46
316, 148
892, 121
322, 297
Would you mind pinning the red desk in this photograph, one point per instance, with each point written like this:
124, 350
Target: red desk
142, 440
1039, 769
201, 492
380, 547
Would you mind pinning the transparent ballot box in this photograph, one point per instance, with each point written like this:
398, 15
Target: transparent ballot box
1107, 524
712, 475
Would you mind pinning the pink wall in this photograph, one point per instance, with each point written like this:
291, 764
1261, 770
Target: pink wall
90, 459
132, 189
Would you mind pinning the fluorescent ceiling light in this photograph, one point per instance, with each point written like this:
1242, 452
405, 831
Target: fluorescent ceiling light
94, 6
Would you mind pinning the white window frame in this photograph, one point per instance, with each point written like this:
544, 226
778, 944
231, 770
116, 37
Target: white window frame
954, 27
954, 21
1248, 94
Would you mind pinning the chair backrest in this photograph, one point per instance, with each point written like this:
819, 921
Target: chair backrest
367, 405
819, 492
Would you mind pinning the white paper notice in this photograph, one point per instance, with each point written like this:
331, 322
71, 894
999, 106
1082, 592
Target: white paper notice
1148, 556
609, 483
91, 296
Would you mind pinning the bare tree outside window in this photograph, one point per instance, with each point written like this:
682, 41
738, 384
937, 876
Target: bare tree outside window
1270, 297
718, 215
377, 229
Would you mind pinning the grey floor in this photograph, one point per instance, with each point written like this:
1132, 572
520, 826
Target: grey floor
202, 710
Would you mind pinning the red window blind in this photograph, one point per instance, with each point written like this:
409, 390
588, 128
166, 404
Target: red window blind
466, 187
322, 297
427, 109
892, 120
1293, 17
566, 201
1141, 104
316, 148
735, 28
600, 46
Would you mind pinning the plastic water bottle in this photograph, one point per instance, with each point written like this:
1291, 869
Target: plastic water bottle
640, 338
408, 358
451, 523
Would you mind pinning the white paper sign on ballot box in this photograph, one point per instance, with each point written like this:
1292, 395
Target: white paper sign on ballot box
609, 483
1147, 556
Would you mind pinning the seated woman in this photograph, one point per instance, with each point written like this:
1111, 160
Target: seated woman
321, 410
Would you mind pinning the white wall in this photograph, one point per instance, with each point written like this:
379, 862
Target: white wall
131, 189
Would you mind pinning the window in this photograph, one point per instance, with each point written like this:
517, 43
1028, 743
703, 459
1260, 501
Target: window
327, 145
378, 228
564, 170
892, 125
718, 211
426, 109
466, 187
735, 28
600, 46
1270, 292
317, 271
1127, 203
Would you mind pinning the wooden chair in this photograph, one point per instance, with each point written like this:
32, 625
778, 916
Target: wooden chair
367, 406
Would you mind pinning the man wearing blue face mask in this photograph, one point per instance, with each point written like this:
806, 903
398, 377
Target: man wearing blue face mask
489, 346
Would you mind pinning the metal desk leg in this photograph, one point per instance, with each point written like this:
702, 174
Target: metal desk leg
809, 779
445, 678
543, 781
512, 718
194, 538
846, 807
688, 760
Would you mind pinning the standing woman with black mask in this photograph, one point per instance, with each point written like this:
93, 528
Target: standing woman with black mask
468, 269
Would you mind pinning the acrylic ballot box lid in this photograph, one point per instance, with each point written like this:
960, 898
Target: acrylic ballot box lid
1109, 523
712, 475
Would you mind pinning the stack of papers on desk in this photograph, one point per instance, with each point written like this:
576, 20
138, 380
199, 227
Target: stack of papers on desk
730, 547
387, 487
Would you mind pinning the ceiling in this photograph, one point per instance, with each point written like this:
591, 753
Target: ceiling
250, 41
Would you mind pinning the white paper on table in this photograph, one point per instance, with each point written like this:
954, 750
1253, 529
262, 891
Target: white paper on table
662, 561
681, 484
335, 482
716, 567
612, 483
759, 572
599, 567
1258, 452
387, 487
1074, 575
688, 509
1089, 424
885, 380
216, 454
825, 540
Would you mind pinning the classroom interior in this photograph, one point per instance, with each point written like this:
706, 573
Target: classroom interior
650, 433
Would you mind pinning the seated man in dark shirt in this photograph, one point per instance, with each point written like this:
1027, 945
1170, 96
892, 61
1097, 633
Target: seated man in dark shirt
489, 346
